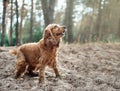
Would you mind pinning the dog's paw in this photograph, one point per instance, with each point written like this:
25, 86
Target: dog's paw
19, 78
32, 74
41, 80
58, 77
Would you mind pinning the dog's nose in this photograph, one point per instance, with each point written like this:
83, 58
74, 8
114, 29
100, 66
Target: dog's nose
64, 27
63, 30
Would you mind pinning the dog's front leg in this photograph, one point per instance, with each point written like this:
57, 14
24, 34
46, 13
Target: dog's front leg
56, 70
41, 73
41, 70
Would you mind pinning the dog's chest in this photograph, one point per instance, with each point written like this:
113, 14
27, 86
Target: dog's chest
48, 56
49, 53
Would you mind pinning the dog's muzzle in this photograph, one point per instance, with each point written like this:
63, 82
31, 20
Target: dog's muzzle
64, 30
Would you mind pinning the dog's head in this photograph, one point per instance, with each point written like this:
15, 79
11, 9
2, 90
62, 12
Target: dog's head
52, 34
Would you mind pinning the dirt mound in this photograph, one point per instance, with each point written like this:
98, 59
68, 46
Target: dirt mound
88, 67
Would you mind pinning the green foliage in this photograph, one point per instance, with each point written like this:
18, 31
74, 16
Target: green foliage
6, 39
0, 38
112, 38
37, 35
37, 32
90, 3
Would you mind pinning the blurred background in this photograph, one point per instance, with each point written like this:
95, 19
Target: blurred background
23, 21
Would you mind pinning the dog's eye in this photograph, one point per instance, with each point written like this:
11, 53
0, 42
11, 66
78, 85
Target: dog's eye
55, 34
58, 34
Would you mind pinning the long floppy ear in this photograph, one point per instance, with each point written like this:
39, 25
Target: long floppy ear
46, 34
58, 43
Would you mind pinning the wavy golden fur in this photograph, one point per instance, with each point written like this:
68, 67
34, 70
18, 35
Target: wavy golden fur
38, 55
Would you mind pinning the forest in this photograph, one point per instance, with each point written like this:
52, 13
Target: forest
88, 57
86, 20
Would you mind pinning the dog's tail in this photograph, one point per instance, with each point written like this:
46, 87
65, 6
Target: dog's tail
13, 52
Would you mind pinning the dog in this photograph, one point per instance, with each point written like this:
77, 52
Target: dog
38, 55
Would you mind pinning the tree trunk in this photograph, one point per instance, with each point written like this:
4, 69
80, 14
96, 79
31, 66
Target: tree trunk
51, 10
119, 28
22, 15
68, 21
5, 5
17, 23
31, 21
97, 35
11, 29
48, 11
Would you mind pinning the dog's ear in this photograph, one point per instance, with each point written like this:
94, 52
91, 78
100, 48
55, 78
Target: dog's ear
58, 43
46, 34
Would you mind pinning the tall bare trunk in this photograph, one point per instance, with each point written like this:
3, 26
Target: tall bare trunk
31, 21
68, 21
11, 29
119, 28
51, 10
48, 11
97, 35
22, 15
5, 5
17, 23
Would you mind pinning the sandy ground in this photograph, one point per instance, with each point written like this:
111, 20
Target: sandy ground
88, 67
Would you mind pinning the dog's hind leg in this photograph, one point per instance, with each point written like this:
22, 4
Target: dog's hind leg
30, 72
20, 65
20, 68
